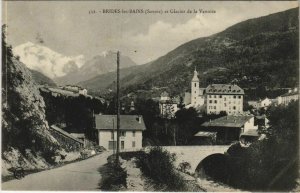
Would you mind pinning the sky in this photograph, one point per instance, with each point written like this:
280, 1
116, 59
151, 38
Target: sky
69, 28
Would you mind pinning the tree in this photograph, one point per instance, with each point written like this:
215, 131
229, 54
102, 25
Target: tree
186, 120
272, 163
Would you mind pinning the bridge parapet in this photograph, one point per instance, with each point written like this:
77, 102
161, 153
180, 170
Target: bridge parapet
194, 154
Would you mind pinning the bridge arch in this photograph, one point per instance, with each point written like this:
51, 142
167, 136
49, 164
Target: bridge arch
215, 166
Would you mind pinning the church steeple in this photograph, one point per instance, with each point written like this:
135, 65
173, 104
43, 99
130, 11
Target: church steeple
195, 78
195, 89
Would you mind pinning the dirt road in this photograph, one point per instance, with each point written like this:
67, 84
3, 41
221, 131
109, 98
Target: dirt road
81, 175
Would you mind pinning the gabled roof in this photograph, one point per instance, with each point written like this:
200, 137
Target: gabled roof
127, 122
164, 94
228, 121
54, 127
224, 89
205, 134
290, 93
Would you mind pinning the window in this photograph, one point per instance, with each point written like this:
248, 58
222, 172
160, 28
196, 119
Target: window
215, 107
209, 96
112, 145
111, 135
239, 97
195, 84
122, 145
195, 92
133, 143
220, 96
224, 99
123, 133
215, 101
224, 104
234, 96
234, 108
215, 96
210, 101
133, 133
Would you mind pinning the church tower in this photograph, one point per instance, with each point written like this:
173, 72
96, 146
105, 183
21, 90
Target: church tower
195, 89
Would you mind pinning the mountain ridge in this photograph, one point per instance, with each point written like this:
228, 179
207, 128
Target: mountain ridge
98, 65
245, 51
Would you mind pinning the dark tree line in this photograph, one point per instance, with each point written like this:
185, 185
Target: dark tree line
273, 163
76, 113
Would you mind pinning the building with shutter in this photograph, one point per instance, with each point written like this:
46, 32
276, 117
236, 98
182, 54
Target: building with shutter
131, 128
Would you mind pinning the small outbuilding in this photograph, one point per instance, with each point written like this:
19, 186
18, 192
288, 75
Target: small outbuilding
229, 128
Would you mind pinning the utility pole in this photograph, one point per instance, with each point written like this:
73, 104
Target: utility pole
118, 107
113, 119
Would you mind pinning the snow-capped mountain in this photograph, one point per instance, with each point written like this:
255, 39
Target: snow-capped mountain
47, 61
100, 64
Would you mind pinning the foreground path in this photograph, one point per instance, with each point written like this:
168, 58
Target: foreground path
81, 175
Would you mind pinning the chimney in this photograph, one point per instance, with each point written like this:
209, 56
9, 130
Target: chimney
140, 118
290, 90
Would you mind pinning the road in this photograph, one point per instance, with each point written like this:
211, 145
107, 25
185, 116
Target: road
81, 175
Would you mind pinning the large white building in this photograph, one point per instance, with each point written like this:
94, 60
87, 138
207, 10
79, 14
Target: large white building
131, 128
216, 97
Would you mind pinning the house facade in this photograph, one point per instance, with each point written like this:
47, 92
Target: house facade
261, 103
229, 128
224, 97
167, 106
131, 128
216, 97
286, 98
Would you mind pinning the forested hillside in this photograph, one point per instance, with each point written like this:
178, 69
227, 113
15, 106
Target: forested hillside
255, 53
41, 79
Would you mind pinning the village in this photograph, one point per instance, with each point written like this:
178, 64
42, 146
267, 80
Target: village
167, 101
226, 101
220, 121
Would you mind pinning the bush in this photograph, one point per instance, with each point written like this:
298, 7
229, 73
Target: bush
270, 164
158, 165
113, 177
184, 166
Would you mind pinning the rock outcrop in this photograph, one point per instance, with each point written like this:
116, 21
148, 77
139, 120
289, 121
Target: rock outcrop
26, 140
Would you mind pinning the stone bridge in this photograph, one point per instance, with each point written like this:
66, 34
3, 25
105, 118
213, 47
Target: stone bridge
194, 154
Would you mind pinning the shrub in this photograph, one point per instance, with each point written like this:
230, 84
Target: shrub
113, 177
184, 166
158, 165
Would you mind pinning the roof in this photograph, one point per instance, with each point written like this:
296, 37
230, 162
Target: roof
127, 122
195, 77
205, 134
169, 101
228, 121
293, 92
164, 94
260, 117
251, 132
54, 127
224, 89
